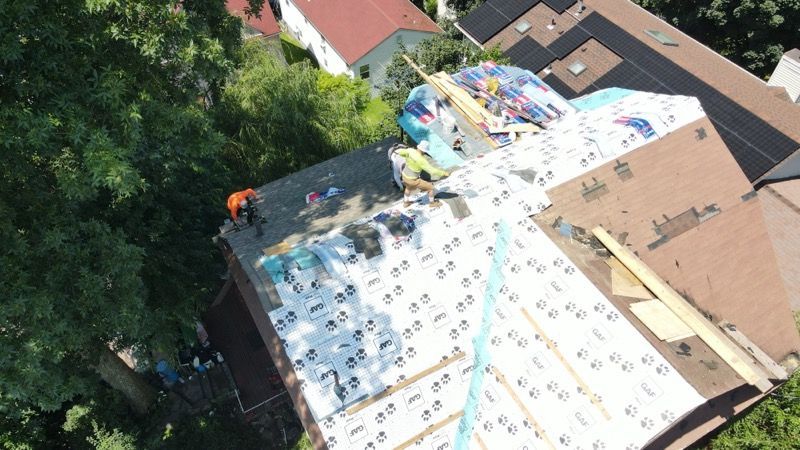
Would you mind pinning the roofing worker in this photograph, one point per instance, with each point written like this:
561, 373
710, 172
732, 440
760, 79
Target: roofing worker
242, 200
397, 164
415, 164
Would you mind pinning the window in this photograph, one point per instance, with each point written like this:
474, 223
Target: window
661, 37
363, 71
577, 68
322, 45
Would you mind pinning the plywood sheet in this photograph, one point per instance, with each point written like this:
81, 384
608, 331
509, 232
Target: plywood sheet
660, 320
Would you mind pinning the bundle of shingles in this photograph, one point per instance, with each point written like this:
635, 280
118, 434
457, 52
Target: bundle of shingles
471, 98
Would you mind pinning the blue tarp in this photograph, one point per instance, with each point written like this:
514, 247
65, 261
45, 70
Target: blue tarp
600, 98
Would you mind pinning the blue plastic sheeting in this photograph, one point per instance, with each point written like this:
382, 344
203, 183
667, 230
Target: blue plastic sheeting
274, 267
304, 258
600, 98
440, 151
482, 354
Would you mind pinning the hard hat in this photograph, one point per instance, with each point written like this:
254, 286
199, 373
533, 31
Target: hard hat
423, 146
243, 203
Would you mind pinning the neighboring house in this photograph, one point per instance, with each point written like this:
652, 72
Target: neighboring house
787, 74
265, 26
356, 37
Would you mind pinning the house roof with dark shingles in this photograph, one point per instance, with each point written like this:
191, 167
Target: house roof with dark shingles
760, 129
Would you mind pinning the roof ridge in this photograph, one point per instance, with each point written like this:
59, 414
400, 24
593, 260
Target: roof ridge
383, 13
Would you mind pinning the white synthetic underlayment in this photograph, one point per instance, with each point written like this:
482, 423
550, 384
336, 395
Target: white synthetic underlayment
397, 314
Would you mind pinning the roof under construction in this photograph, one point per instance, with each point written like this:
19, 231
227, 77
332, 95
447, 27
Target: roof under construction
495, 321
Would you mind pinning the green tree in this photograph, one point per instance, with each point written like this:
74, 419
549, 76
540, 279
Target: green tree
752, 33
281, 119
435, 54
110, 186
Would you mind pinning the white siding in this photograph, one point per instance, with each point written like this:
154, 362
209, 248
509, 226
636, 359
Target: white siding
311, 39
787, 75
380, 57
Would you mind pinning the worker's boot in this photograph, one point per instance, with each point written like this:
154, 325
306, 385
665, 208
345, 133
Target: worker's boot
434, 204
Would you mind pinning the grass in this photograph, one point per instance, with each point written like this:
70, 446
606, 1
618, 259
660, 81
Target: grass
376, 110
294, 51
303, 444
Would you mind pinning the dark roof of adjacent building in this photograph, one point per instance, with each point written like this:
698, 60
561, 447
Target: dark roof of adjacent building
264, 23
355, 27
758, 128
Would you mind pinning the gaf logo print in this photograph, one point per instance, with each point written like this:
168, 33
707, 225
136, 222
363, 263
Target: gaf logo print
315, 307
356, 430
426, 257
439, 316
384, 343
476, 234
372, 281
324, 373
414, 398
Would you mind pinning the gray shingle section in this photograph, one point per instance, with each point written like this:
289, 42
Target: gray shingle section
363, 173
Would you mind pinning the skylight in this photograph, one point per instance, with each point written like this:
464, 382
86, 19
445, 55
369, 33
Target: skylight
577, 68
661, 37
523, 26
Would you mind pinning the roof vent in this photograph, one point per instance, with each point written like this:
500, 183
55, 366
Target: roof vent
577, 68
523, 26
661, 37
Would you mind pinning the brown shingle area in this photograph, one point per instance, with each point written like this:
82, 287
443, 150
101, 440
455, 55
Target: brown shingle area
539, 18
692, 360
781, 203
595, 56
713, 248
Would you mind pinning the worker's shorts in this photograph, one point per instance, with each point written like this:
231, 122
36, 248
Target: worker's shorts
412, 184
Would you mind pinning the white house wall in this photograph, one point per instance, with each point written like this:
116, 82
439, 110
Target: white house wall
787, 75
312, 40
380, 57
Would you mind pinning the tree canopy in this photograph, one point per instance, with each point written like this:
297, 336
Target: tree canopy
752, 33
435, 54
282, 118
110, 182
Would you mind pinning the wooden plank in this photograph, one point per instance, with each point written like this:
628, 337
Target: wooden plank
593, 398
479, 441
710, 334
442, 94
408, 381
470, 111
760, 356
522, 407
661, 320
277, 249
620, 268
516, 128
621, 286
458, 94
430, 430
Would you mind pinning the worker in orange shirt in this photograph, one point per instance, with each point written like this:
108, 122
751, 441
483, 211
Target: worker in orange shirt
243, 201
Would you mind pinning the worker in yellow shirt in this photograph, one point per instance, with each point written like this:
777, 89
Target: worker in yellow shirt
415, 164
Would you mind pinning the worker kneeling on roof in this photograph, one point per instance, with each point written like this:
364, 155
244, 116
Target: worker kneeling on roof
243, 201
415, 164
